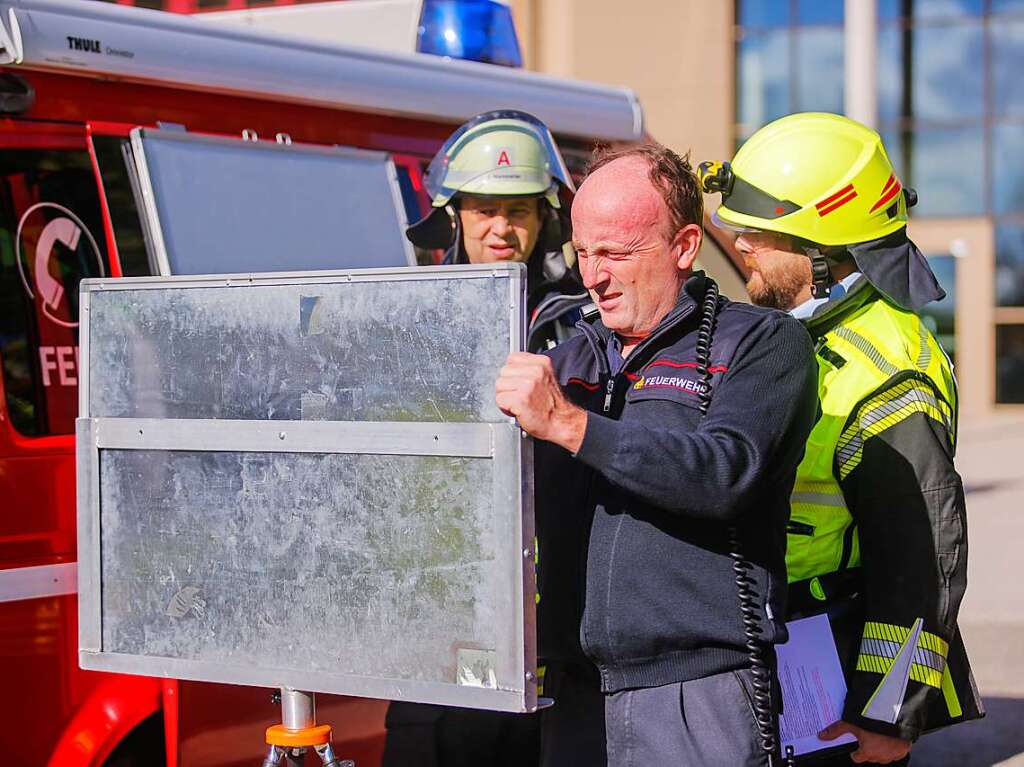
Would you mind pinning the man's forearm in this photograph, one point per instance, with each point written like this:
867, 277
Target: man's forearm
908, 502
570, 428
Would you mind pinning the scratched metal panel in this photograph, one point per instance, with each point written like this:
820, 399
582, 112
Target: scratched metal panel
373, 565
415, 350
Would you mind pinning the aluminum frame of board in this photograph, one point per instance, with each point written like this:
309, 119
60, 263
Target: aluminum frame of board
118, 579
141, 171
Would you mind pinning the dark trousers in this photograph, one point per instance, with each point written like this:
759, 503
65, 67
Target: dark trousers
700, 723
420, 735
570, 733
705, 722
572, 730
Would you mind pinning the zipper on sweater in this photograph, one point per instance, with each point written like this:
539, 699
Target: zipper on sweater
602, 365
637, 353
595, 346
603, 370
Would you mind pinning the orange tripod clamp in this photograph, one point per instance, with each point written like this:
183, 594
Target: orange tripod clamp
299, 732
279, 735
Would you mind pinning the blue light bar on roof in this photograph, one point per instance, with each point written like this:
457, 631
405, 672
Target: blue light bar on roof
477, 30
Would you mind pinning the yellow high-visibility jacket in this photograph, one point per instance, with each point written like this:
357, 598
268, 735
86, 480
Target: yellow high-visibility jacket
878, 514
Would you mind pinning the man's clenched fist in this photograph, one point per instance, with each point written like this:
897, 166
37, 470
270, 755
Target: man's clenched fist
528, 390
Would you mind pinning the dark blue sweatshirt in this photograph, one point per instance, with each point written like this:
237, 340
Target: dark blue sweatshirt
634, 567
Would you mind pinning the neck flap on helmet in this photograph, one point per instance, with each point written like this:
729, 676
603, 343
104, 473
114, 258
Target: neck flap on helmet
898, 270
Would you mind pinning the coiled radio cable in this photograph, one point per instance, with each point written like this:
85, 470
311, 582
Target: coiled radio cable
757, 650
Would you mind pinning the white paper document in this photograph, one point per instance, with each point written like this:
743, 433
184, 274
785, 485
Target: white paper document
813, 688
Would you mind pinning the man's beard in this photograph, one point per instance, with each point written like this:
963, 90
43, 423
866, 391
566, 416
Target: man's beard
777, 287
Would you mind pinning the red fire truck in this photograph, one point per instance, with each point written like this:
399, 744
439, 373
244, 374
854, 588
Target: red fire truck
75, 78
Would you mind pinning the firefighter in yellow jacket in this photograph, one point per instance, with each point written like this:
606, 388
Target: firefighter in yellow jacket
878, 531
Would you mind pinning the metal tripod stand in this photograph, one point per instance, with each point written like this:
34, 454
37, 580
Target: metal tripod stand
299, 732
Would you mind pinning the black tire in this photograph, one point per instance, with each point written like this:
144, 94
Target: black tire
142, 747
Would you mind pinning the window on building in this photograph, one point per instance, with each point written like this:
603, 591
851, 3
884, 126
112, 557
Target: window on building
763, 83
940, 316
1010, 363
789, 59
950, 104
945, 188
1007, 6
1010, 264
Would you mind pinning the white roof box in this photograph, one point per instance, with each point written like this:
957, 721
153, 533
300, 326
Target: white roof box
384, 25
134, 44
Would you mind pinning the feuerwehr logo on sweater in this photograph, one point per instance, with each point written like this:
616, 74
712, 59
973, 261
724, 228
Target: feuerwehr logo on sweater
670, 382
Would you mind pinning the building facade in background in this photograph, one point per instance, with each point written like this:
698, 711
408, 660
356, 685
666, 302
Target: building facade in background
950, 109
951, 113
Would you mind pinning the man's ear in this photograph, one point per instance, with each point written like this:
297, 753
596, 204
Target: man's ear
687, 243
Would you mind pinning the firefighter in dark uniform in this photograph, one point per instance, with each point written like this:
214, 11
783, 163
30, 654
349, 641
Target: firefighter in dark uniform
495, 190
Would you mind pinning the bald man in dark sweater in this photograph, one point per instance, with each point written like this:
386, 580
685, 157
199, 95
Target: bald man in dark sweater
652, 454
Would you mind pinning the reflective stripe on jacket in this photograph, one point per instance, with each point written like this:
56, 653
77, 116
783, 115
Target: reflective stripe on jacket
881, 365
877, 498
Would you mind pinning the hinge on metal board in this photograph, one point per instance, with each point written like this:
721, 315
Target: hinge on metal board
12, 49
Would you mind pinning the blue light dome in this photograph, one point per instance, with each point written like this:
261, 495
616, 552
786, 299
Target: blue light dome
476, 30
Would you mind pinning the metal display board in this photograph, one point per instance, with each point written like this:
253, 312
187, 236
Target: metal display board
218, 204
302, 480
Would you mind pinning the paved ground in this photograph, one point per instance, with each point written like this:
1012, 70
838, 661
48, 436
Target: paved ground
991, 461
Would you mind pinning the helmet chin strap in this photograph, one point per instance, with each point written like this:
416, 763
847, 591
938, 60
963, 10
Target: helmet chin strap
821, 275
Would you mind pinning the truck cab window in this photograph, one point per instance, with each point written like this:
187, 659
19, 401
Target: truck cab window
50, 239
124, 216
414, 198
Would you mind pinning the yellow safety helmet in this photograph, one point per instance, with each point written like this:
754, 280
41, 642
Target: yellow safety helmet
826, 181
823, 178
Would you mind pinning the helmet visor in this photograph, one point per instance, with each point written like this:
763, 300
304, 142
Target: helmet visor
442, 181
728, 226
749, 200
